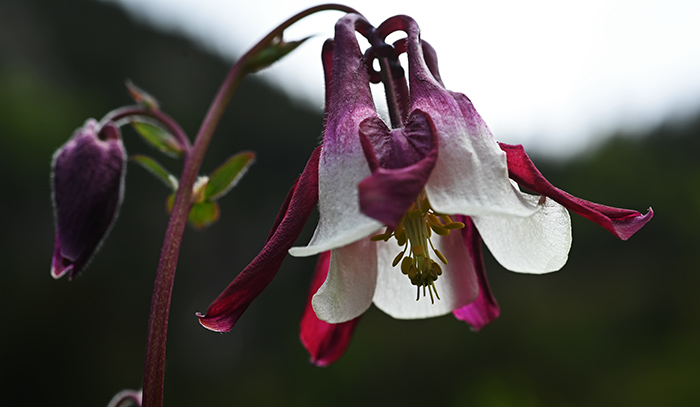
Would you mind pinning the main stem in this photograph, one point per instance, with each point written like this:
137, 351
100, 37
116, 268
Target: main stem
153, 378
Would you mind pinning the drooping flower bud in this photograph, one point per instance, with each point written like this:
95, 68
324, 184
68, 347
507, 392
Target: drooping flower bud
87, 189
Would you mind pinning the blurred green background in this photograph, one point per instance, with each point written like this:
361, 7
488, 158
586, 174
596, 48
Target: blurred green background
618, 326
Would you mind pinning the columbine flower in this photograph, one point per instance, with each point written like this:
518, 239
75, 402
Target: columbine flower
88, 185
403, 210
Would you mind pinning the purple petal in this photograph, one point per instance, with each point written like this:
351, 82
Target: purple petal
401, 147
387, 194
325, 342
622, 223
225, 310
88, 186
342, 164
471, 175
327, 62
60, 265
431, 61
484, 309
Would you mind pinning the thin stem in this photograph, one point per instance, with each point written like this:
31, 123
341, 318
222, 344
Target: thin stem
164, 119
396, 114
153, 379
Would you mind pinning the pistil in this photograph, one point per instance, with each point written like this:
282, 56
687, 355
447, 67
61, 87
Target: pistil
414, 235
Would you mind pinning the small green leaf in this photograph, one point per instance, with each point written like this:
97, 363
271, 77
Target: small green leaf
158, 138
156, 169
275, 51
203, 214
140, 96
227, 175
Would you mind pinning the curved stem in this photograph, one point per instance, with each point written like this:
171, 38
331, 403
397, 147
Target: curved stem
391, 73
164, 119
153, 379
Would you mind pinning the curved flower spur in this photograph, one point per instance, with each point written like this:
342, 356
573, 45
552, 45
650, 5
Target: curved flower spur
403, 209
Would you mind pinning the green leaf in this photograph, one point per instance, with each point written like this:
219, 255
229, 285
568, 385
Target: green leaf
275, 51
158, 138
203, 214
156, 169
227, 175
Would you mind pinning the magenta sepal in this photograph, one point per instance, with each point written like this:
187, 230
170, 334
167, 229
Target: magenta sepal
401, 162
484, 309
88, 187
622, 223
223, 313
325, 342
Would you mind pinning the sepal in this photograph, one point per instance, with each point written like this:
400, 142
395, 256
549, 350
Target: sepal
622, 223
484, 309
325, 342
223, 313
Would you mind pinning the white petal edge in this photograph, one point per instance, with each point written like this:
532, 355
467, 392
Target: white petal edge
341, 168
457, 286
349, 286
537, 244
471, 174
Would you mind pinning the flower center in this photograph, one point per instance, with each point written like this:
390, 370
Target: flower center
414, 233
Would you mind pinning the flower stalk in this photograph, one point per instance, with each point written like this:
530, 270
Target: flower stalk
153, 380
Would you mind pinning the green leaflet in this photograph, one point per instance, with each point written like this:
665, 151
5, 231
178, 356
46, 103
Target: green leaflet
227, 175
158, 138
155, 168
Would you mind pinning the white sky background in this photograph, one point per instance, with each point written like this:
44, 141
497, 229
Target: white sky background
553, 75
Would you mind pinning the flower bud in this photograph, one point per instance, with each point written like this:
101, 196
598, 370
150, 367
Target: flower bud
88, 186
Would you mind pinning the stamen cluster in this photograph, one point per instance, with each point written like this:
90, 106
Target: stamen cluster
414, 234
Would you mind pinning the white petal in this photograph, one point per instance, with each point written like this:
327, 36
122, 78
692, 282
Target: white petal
471, 174
538, 244
457, 286
340, 220
349, 287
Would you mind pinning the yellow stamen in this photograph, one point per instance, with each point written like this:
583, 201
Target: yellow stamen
415, 230
440, 230
454, 225
397, 259
418, 250
406, 265
441, 256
